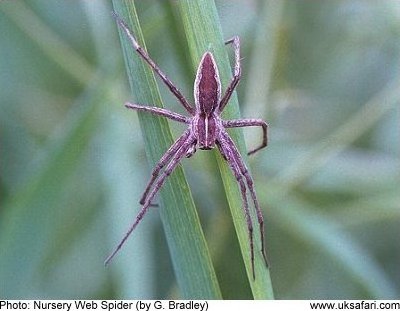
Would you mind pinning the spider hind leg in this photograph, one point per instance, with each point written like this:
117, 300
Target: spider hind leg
176, 158
230, 152
227, 154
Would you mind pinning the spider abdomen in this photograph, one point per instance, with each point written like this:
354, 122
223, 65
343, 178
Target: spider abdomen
207, 86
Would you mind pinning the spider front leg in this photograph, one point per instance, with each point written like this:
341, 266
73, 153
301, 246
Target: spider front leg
153, 65
250, 122
236, 75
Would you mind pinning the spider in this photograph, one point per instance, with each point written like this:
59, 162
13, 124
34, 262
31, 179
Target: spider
205, 130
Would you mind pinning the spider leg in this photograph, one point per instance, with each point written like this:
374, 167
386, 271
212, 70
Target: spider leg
227, 154
250, 184
158, 111
236, 75
170, 167
179, 155
153, 65
163, 161
250, 122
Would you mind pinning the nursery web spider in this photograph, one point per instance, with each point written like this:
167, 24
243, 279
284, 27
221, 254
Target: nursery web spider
205, 130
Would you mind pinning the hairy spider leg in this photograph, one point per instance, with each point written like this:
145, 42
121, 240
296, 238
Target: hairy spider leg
249, 180
236, 75
158, 111
171, 151
163, 161
250, 122
160, 181
153, 65
227, 154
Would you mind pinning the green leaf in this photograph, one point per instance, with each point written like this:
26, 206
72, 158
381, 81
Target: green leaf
203, 32
190, 256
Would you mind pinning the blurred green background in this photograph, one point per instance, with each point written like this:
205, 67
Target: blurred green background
324, 74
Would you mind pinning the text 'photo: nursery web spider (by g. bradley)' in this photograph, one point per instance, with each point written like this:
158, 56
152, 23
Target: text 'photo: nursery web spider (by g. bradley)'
205, 130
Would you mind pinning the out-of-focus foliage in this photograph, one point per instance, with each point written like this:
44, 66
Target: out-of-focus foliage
325, 74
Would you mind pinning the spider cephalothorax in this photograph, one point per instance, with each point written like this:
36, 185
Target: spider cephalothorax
205, 130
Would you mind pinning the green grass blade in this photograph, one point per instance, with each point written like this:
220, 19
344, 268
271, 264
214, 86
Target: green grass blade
203, 32
262, 60
48, 41
33, 209
190, 256
325, 235
360, 122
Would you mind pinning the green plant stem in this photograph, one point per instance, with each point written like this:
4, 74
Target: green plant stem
203, 32
190, 256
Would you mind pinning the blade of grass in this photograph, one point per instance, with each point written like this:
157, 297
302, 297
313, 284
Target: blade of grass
50, 43
368, 210
190, 256
361, 121
122, 178
261, 62
31, 210
203, 32
325, 235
